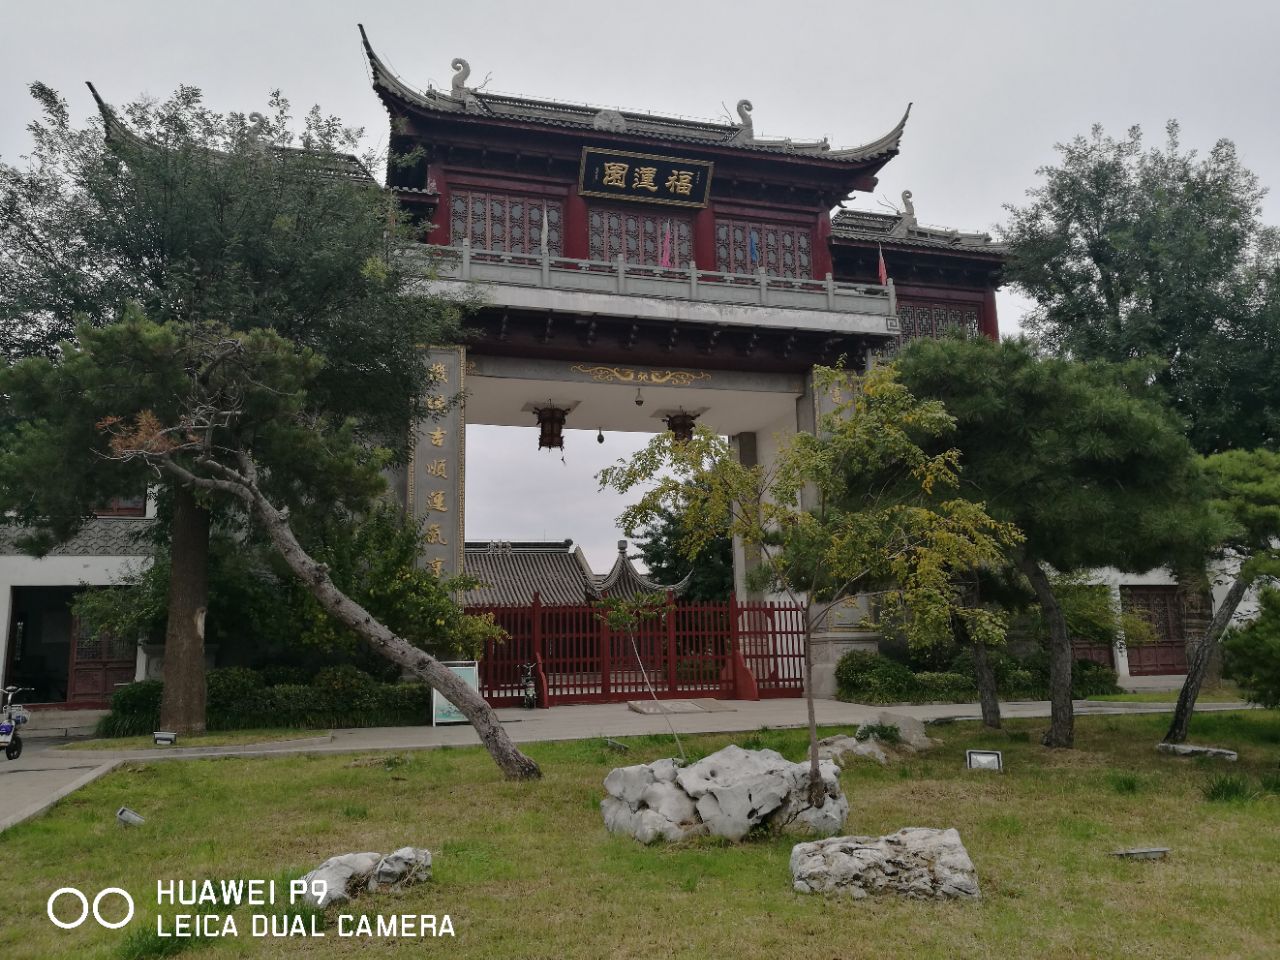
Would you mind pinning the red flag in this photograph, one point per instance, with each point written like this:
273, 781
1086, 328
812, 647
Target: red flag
882, 271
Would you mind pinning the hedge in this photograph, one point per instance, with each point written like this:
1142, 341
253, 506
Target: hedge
866, 677
239, 699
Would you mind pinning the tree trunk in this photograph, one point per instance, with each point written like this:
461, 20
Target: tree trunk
315, 577
1200, 661
817, 790
182, 704
983, 675
1061, 732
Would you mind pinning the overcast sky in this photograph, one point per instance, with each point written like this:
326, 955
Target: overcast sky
995, 85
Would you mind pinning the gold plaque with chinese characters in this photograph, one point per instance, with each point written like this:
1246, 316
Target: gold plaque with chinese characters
640, 176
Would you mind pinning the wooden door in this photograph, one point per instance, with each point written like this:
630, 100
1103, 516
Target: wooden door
1162, 607
98, 665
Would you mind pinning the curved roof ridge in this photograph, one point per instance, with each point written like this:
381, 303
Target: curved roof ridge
887, 144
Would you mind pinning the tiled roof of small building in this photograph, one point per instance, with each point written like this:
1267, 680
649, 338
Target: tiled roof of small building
511, 573
465, 100
99, 537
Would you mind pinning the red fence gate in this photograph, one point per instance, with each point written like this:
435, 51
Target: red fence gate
716, 649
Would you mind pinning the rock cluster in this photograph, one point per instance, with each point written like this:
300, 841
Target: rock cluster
916, 862
727, 794
351, 873
843, 750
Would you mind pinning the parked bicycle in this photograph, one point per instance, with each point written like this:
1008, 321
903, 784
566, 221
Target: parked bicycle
14, 716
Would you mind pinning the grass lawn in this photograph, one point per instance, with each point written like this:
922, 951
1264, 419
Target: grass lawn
226, 738
526, 870
1222, 693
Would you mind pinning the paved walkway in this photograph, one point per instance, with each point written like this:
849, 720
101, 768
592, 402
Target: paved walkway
44, 774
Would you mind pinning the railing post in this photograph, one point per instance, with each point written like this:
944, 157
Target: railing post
466, 258
671, 644
606, 658
622, 273
831, 293
693, 280
546, 267
764, 285
893, 298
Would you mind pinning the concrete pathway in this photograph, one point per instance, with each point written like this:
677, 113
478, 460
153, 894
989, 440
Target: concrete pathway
43, 775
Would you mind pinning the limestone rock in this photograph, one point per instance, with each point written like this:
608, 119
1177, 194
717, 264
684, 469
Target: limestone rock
911, 731
1190, 750
916, 862
726, 794
342, 874
401, 868
842, 750
349, 874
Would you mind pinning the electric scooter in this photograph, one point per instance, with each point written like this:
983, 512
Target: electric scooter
528, 687
12, 716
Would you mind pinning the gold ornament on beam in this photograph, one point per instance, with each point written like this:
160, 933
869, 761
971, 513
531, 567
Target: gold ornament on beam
672, 378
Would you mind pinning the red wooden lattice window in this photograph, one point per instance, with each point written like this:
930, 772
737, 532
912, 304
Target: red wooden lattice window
932, 319
506, 222
639, 236
1161, 606
744, 246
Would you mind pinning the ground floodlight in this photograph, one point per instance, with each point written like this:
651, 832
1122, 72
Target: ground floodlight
129, 818
984, 760
165, 738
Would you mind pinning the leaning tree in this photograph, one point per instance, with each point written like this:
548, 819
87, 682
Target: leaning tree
200, 218
230, 416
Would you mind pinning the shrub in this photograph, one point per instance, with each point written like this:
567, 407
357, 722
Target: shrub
862, 675
135, 710
1092, 679
278, 674
945, 686
238, 700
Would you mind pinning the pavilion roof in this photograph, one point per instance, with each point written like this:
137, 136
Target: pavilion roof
902, 230
474, 102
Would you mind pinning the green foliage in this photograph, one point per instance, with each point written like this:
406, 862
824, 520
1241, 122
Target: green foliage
864, 677
1228, 788
240, 700
861, 672
710, 572
1246, 498
1123, 782
1252, 652
1159, 255
877, 509
1084, 459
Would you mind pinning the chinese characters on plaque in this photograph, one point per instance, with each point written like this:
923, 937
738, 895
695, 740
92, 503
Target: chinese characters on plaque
434, 490
637, 176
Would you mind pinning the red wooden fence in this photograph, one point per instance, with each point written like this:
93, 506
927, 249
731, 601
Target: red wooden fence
718, 649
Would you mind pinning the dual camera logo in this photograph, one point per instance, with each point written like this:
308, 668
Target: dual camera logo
86, 908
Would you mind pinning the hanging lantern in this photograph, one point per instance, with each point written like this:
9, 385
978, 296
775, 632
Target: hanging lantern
681, 424
551, 427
